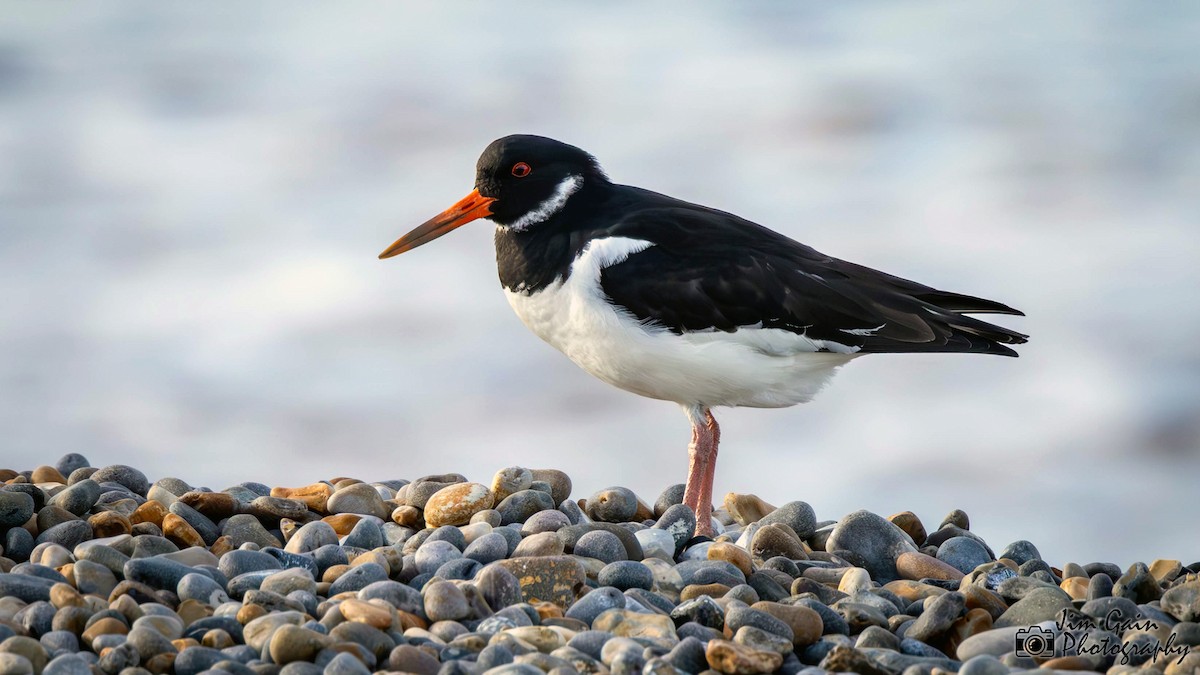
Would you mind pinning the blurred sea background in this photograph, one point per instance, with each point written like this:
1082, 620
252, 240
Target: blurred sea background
192, 197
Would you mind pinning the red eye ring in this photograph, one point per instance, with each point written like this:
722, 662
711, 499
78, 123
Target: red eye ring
521, 169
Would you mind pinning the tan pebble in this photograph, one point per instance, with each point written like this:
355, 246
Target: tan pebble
106, 626
150, 512
109, 524
180, 532
456, 503
221, 546
185, 643
975, 621
982, 598
912, 591
626, 623
911, 524
713, 590
775, 539
732, 658
372, 557
643, 512
509, 480
732, 553
1076, 587
160, 664
342, 523
548, 610
373, 615
1165, 570
805, 623
215, 505
408, 516
334, 572
854, 580
47, 474
746, 509
217, 639
915, 566
192, 610
62, 595
249, 613
315, 496
410, 620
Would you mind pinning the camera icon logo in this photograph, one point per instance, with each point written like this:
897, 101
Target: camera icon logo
1035, 642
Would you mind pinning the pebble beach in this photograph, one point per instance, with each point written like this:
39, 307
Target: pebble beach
105, 570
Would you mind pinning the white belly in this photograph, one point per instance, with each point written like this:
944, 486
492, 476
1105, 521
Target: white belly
756, 367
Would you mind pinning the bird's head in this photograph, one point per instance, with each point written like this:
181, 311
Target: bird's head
520, 182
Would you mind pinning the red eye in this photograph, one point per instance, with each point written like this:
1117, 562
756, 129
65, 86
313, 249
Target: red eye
521, 169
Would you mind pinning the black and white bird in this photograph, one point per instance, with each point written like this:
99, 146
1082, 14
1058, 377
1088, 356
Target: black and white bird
685, 303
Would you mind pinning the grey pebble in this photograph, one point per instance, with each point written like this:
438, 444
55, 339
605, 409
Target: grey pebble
963, 554
78, 498
519, 506
874, 539
626, 574
127, 476
357, 578
68, 535
602, 545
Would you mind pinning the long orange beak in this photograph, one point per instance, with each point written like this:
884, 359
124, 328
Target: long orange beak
471, 207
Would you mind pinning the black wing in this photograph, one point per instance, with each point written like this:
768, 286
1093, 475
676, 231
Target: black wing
711, 270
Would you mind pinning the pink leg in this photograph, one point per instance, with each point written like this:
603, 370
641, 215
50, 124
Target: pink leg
702, 453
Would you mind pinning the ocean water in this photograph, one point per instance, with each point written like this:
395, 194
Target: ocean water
192, 199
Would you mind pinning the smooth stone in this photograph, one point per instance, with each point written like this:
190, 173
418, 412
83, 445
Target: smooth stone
911, 524
487, 548
315, 496
1182, 601
409, 659
196, 660
63, 664
290, 580
916, 566
500, 587
550, 520
940, 614
456, 503
877, 541
594, 603
601, 545
201, 523
357, 578
1039, 604
293, 643
1021, 552
180, 531
656, 543
78, 498
346, 663
680, 521
797, 515
511, 480
68, 535
127, 476
519, 506
16, 664
366, 534
738, 616
542, 544
149, 642
202, 589
612, 505
445, 602
571, 536
559, 482
277, 508
963, 554
777, 540
433, 554
94, 579
311, 536
732, 658
626, 574
624, 623
156, 572
18, 543
550, 579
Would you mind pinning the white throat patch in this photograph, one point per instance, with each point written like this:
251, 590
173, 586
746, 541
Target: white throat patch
569, 186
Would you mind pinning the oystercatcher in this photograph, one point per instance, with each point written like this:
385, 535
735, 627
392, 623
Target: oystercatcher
685, 303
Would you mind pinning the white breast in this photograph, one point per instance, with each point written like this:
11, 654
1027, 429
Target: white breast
757, 367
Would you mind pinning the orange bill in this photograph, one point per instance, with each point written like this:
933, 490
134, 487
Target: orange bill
471, 207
